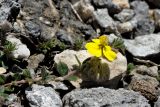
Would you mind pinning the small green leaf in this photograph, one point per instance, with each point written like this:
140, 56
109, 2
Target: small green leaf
79, 62
72, 78
26, 73
44, 73
2, 79
62, 68
130, 67
17, 76
118, 43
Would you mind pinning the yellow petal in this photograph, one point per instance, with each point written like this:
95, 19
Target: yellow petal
109, 54
93, 49
103, 40
97, 41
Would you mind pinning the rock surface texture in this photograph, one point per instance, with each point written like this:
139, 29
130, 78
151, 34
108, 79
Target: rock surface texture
99, 97
40, 96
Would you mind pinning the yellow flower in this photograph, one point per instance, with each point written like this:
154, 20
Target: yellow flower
99, 47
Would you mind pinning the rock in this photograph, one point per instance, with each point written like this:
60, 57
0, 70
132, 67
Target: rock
137, 7
40, 96
146, 85
157, 103
67, 55
155, 2
144, 70
112, 8
9, 10
125, 15
122, 3
5, 26
58, 85
144, 26
34, 60
33, 29
103, 20
2, 70
98, 97
156, 14
116, 68
144, 45
21, 51
13, 101
126, 26
65, 37
144, 80
84, 9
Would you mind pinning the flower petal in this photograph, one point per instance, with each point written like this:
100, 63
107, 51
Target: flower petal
109, 54
103, 40
93, 49
97, 41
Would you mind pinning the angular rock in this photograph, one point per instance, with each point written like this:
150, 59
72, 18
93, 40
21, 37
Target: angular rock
144, 45
21, 51
84, 9
146, 85
144, 26
144, 70
125, 15
9, 10
33, 29
137, 7
112, 8
13, 101
116, 68
99, 97
122, 3
40, 96
65, 37
103, 20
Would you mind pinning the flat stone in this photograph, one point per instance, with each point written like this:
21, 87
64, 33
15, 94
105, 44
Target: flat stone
114, 69
122, 3
99, 97
144, 45
40, 96
103, 20
125, 15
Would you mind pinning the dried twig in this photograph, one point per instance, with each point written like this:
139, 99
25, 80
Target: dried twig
75, 12
146, 62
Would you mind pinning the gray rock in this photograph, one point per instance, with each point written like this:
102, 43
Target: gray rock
40, 96
150, 71
157, 103
21, 51
99, 97
144, 26
125, 15
33, 29
144, 45
112, 8
65, 37
103, 20
9, 10
137, 7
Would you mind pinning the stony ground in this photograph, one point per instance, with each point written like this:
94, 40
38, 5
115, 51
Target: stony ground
44, 63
